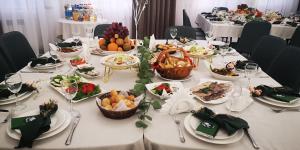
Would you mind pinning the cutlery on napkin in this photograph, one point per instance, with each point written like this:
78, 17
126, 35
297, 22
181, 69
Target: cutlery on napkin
43, 61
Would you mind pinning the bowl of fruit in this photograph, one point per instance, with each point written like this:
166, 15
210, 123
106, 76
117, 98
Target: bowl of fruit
172, 67
118, 104
116, 39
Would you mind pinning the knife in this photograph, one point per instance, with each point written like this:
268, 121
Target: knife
74, 125
251, 139
40, 71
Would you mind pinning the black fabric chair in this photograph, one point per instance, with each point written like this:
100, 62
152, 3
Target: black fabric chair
100, 29
251, 34
5, 67
182, 31
186, 19
295, 41
16, 49
267, 50
286, 69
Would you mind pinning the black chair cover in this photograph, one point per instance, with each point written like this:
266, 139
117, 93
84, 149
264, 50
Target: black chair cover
295, 41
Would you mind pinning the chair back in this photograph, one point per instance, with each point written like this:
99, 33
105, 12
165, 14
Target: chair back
16, 49
251, 34
267, 50
182, 31
286, 69
217, 9
5, 67
295, 41
100, 29
186, 19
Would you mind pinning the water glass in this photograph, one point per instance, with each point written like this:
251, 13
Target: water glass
75, 31
173, 33
89, 31
235, 97
209, 37
69, 88
251, 70
13, 82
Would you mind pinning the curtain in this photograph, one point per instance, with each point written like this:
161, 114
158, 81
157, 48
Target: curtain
194, 7
158, 15
33, 18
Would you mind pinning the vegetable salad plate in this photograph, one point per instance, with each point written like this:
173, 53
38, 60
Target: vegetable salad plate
191, 123
86, 89
59, 122
164, 90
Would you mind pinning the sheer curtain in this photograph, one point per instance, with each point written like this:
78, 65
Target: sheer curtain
34, 18
193, 7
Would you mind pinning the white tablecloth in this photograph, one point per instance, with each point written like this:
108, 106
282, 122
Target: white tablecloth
270, 130
94, 131
229, 30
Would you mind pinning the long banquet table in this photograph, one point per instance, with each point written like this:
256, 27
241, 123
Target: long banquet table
220, 29
270, 130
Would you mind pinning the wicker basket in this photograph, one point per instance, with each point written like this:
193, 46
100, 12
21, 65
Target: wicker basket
176, 73
115, 114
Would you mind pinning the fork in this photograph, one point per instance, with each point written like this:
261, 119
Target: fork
181, 136
74, 125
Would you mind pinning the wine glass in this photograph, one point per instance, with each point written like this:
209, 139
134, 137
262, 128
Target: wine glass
234, 98
223, 50
250, 70
76, 33
54, 55
13, 82
89, 30
69, 88
173, 33
209, 37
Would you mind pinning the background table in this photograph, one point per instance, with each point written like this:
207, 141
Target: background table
219, 29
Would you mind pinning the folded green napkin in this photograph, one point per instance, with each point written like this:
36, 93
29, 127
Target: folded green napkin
32, 127
69, 44
43, 61
229, 124
283, 94
5, 93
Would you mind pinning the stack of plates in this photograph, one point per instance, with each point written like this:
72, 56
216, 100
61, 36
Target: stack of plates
13, 98
191, 123
59, 122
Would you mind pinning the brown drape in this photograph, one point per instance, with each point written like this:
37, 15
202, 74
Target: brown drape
158, 15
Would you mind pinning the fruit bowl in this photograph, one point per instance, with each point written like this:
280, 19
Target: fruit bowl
116, 39
172, 67
116, 114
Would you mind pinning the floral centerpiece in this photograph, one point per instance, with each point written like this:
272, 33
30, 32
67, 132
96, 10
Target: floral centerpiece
116, 38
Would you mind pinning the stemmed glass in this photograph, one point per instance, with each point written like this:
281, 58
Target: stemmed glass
250, 70
13, 82
173, 33
209, 37
76, 33
54, 56
223, 50
69, 88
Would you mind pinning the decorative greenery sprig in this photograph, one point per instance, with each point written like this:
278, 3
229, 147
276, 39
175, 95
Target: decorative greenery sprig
145, 75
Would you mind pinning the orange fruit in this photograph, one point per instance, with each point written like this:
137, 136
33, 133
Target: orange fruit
112, 47
120, 41
112, 40
120, 49
101, 42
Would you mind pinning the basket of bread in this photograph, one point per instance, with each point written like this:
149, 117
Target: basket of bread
172, 66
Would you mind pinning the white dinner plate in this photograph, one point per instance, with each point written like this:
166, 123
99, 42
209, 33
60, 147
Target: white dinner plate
217, 101
190, 123
108, 61
12, 97
106, 53
57, 119
46, 66
16, 136
278, 104
20, 98
174, 86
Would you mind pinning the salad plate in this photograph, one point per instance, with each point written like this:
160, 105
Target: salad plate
199, 51
87, 71
120, 61
86, 89
164, 90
